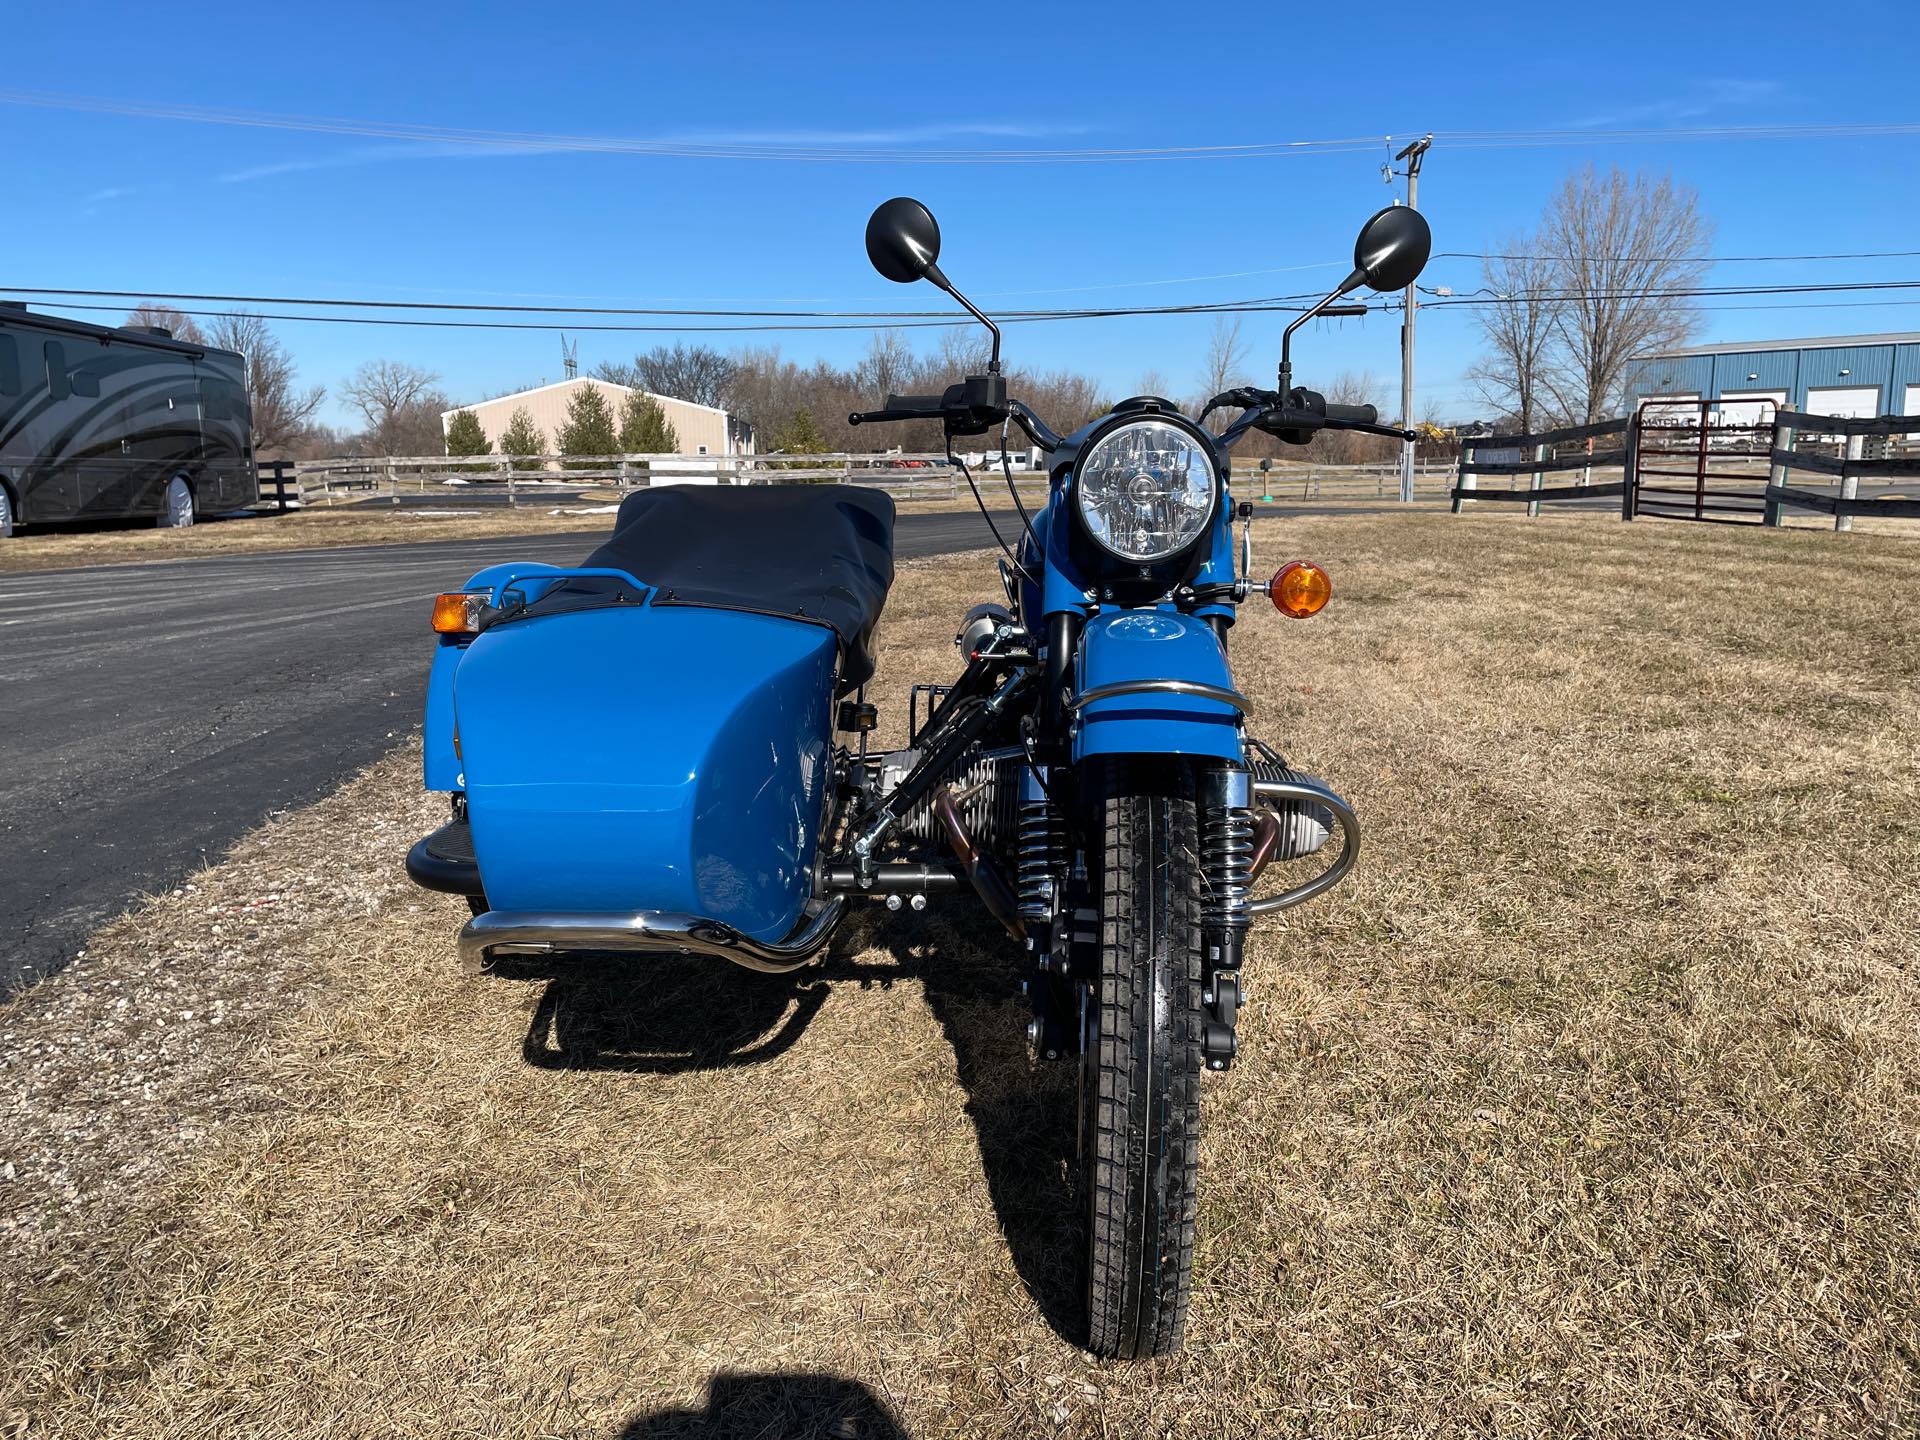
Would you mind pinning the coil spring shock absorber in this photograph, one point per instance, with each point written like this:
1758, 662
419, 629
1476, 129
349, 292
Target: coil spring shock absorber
1226, 868
1038, 850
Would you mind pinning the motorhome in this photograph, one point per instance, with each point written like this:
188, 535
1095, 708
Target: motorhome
98, 423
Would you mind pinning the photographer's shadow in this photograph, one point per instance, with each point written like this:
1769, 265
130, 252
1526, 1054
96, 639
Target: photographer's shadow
789, 1407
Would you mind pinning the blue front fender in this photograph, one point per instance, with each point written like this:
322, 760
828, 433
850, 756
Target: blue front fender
1132, 645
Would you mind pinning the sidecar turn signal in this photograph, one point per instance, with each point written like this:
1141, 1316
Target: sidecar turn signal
458, 613
1300, 589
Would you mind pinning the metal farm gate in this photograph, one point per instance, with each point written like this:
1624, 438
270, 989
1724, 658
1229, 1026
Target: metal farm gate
1692, 462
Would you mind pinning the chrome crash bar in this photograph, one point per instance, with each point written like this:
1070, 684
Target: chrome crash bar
1284, 790
536, 932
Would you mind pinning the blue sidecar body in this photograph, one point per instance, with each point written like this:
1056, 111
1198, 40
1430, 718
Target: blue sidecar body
652, 733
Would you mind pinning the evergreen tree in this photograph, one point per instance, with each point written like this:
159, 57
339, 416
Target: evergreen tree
589, 425
522, 437
644, 427
465, 437
800, 436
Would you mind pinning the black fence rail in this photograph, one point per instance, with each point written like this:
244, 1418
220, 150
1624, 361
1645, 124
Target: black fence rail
1571, 448
279, 485
1791, 432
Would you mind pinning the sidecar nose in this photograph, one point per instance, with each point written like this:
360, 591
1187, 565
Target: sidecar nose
648, 758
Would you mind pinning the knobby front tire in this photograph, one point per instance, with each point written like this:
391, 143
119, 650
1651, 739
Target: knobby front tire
1141, 1091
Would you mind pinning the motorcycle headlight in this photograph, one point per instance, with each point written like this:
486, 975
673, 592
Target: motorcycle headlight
1146, 490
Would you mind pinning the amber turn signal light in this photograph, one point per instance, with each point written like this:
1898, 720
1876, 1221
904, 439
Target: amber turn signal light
458, 613
1299, 589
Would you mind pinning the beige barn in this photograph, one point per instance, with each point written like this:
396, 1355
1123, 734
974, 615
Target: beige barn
700, 429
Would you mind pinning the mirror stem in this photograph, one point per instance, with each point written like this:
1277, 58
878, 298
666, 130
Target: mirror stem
1346, 287
993, 362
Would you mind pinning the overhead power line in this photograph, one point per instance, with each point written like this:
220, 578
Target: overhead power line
1077, 312
1290, 303
800, 147
1704, 259
946, 321
1682, 292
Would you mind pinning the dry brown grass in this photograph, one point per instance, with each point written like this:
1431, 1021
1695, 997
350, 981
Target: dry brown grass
318, 529
1588, 1106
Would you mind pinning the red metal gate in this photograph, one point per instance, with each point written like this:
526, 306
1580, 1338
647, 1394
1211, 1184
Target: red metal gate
1691, 463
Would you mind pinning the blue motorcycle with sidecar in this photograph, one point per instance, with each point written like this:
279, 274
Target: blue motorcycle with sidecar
1090, 776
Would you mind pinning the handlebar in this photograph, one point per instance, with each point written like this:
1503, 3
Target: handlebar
1358, 414
970, 408
902, 407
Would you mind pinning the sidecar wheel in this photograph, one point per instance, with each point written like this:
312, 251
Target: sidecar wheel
1141, 1089
478, 905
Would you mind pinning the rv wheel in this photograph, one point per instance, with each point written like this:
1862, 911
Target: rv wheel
177, 513
6, 513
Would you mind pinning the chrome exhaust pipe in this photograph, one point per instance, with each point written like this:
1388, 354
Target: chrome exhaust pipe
978, 866
641, 932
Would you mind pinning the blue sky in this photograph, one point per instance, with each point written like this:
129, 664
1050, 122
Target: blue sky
138, 202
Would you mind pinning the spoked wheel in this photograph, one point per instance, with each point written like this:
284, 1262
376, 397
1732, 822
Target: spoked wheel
1140, 1081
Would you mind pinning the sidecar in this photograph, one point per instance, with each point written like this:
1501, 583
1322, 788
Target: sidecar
639, 751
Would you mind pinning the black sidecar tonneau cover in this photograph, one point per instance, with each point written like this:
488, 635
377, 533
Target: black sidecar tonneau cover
820, 553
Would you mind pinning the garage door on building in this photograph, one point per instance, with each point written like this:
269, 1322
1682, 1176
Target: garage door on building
1750, 407
1845, 402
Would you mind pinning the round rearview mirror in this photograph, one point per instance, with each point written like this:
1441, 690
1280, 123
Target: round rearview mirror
903, 240
1392, 249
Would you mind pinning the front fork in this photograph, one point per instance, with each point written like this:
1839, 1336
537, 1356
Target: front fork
1225, 803
1062, 926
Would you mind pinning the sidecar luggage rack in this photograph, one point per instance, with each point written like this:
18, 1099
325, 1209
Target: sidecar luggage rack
935, 694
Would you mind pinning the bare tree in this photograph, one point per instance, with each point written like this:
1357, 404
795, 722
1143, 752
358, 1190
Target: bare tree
1622, 246
281, 414
1520, 331
177, 323
962, 351
679, 371
889, 367
1346, 447
1224, 366
401, 406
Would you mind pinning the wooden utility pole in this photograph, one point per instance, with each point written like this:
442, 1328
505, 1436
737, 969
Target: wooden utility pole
1412, 155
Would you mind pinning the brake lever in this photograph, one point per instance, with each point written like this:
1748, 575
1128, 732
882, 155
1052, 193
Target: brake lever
1392, 432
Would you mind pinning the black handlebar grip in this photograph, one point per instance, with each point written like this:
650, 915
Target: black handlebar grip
1364, 414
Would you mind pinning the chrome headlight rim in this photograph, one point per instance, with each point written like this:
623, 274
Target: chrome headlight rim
1201, 440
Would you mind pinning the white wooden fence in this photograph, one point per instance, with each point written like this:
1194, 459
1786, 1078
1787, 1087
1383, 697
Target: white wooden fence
537, 479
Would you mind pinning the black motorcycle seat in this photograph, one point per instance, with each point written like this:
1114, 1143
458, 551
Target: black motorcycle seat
818, 553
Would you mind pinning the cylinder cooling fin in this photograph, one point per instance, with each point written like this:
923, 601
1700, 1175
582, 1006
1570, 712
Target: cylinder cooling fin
986, 792
1304, 827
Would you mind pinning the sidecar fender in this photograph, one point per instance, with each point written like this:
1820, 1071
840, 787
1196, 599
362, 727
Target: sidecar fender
649, 757
441, 756
1142, 645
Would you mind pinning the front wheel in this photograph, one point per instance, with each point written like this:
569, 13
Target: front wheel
1140, 1085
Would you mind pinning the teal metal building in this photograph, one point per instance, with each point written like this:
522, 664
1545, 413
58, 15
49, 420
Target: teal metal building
1847, 375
